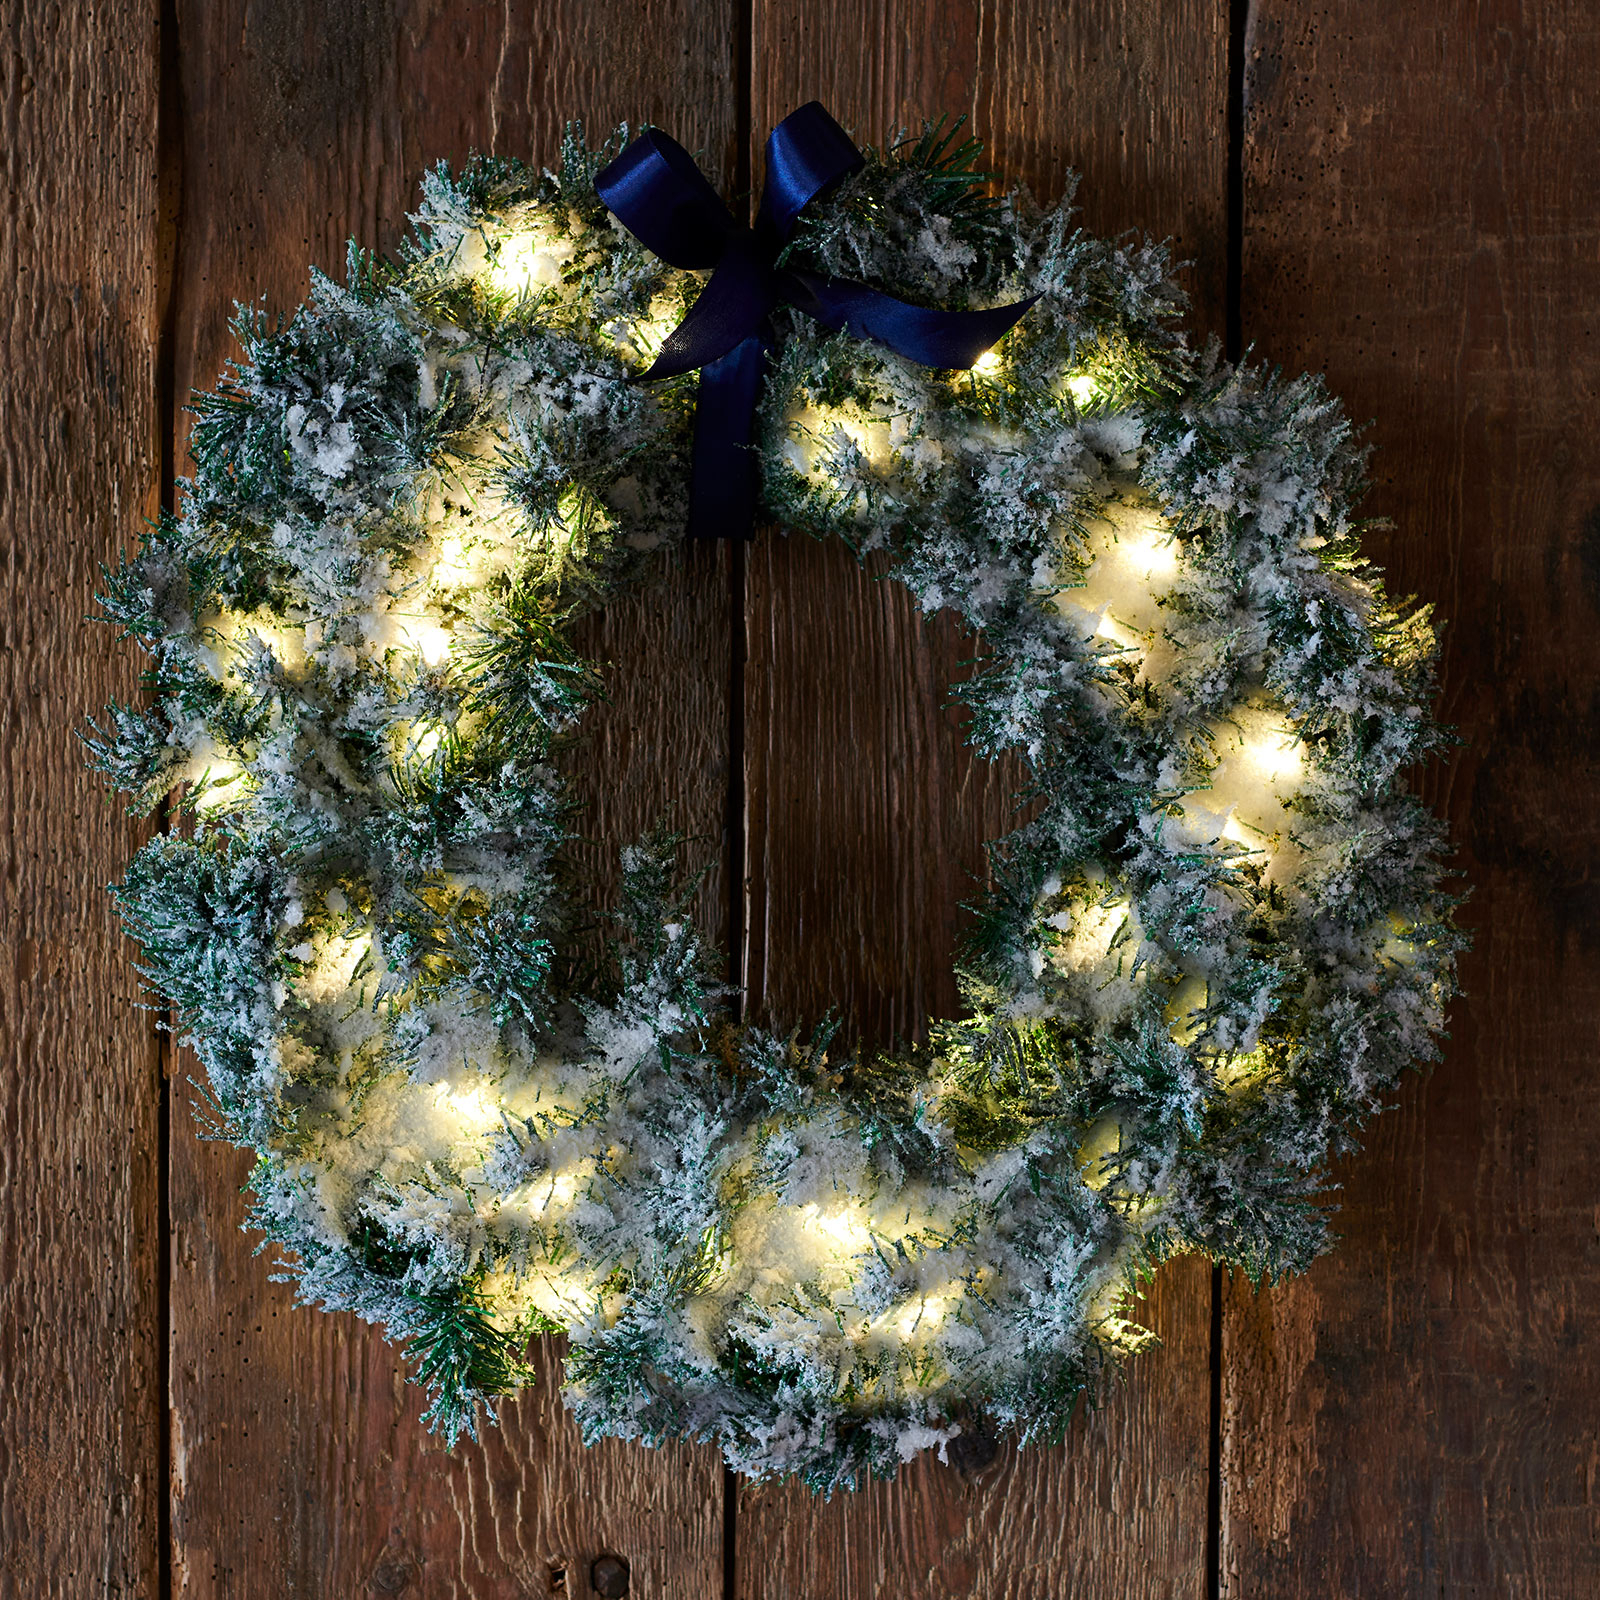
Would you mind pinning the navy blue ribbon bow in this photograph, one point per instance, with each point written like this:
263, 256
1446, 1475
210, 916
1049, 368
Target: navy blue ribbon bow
662, 198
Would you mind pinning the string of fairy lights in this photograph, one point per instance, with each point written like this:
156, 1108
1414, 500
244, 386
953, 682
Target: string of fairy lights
821, 1257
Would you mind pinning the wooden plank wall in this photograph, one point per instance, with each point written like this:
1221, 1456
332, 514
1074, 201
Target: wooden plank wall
81, 1282
1418, 1416
867, 817
1402, 196
297, 1450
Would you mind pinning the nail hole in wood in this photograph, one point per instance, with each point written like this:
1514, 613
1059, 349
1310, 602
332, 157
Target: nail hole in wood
609, 1575
973, 1449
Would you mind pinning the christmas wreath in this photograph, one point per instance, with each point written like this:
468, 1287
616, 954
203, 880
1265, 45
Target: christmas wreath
1216, 941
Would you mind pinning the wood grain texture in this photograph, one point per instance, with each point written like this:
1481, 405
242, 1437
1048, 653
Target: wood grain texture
865, 812
1129, 94
866, 816
1118, 1509
1418, 1415
80, 1069
300, 1466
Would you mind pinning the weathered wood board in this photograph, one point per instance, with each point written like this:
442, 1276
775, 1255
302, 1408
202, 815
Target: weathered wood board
1418, 220
81, 1263
299, 1461
867, 815
1418, 1415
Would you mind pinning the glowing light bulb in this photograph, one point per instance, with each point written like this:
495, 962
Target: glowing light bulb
1399, 947
334, 969
1151, 551
1109, 628
1236, 831
475, 1109
287, 644
455, 566
1103, 1139
1235, 1071
1277, 757
427, 743
427, 638
558, 1295
842, 1229
988, 363
1252, 788
1182, 1011
924, 1315
1133, 560
527, 261
721, 1252
1082, 388
514, 266
223, 785
554, 1189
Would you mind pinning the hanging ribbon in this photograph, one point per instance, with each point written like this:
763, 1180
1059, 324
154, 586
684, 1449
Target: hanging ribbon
657, 192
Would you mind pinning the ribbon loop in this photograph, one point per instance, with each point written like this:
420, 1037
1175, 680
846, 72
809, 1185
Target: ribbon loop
664, 200
657, 192
807, 153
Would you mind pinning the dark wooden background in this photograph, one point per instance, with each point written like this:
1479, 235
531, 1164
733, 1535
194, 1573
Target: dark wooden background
1400, 193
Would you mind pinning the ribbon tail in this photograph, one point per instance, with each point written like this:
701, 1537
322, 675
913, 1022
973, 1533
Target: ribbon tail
730, 309
724, 476
950, 339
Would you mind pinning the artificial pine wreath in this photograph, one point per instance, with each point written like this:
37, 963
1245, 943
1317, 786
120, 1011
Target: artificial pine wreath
1215, 945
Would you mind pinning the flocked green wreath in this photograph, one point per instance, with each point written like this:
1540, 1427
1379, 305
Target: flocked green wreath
1217, 943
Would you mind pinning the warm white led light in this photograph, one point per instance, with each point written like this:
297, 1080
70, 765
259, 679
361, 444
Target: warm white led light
925, 1314
526, 262
1102, 1140
225, 785
845, 1230
1182, 1012
1133, 562
1276, 756
554, 1189
1150, 551
561, 1296
476, 1108
428, 638
1235, 831
1082, 389
457, 566
1109, 628
1260, 768
1235, 1071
